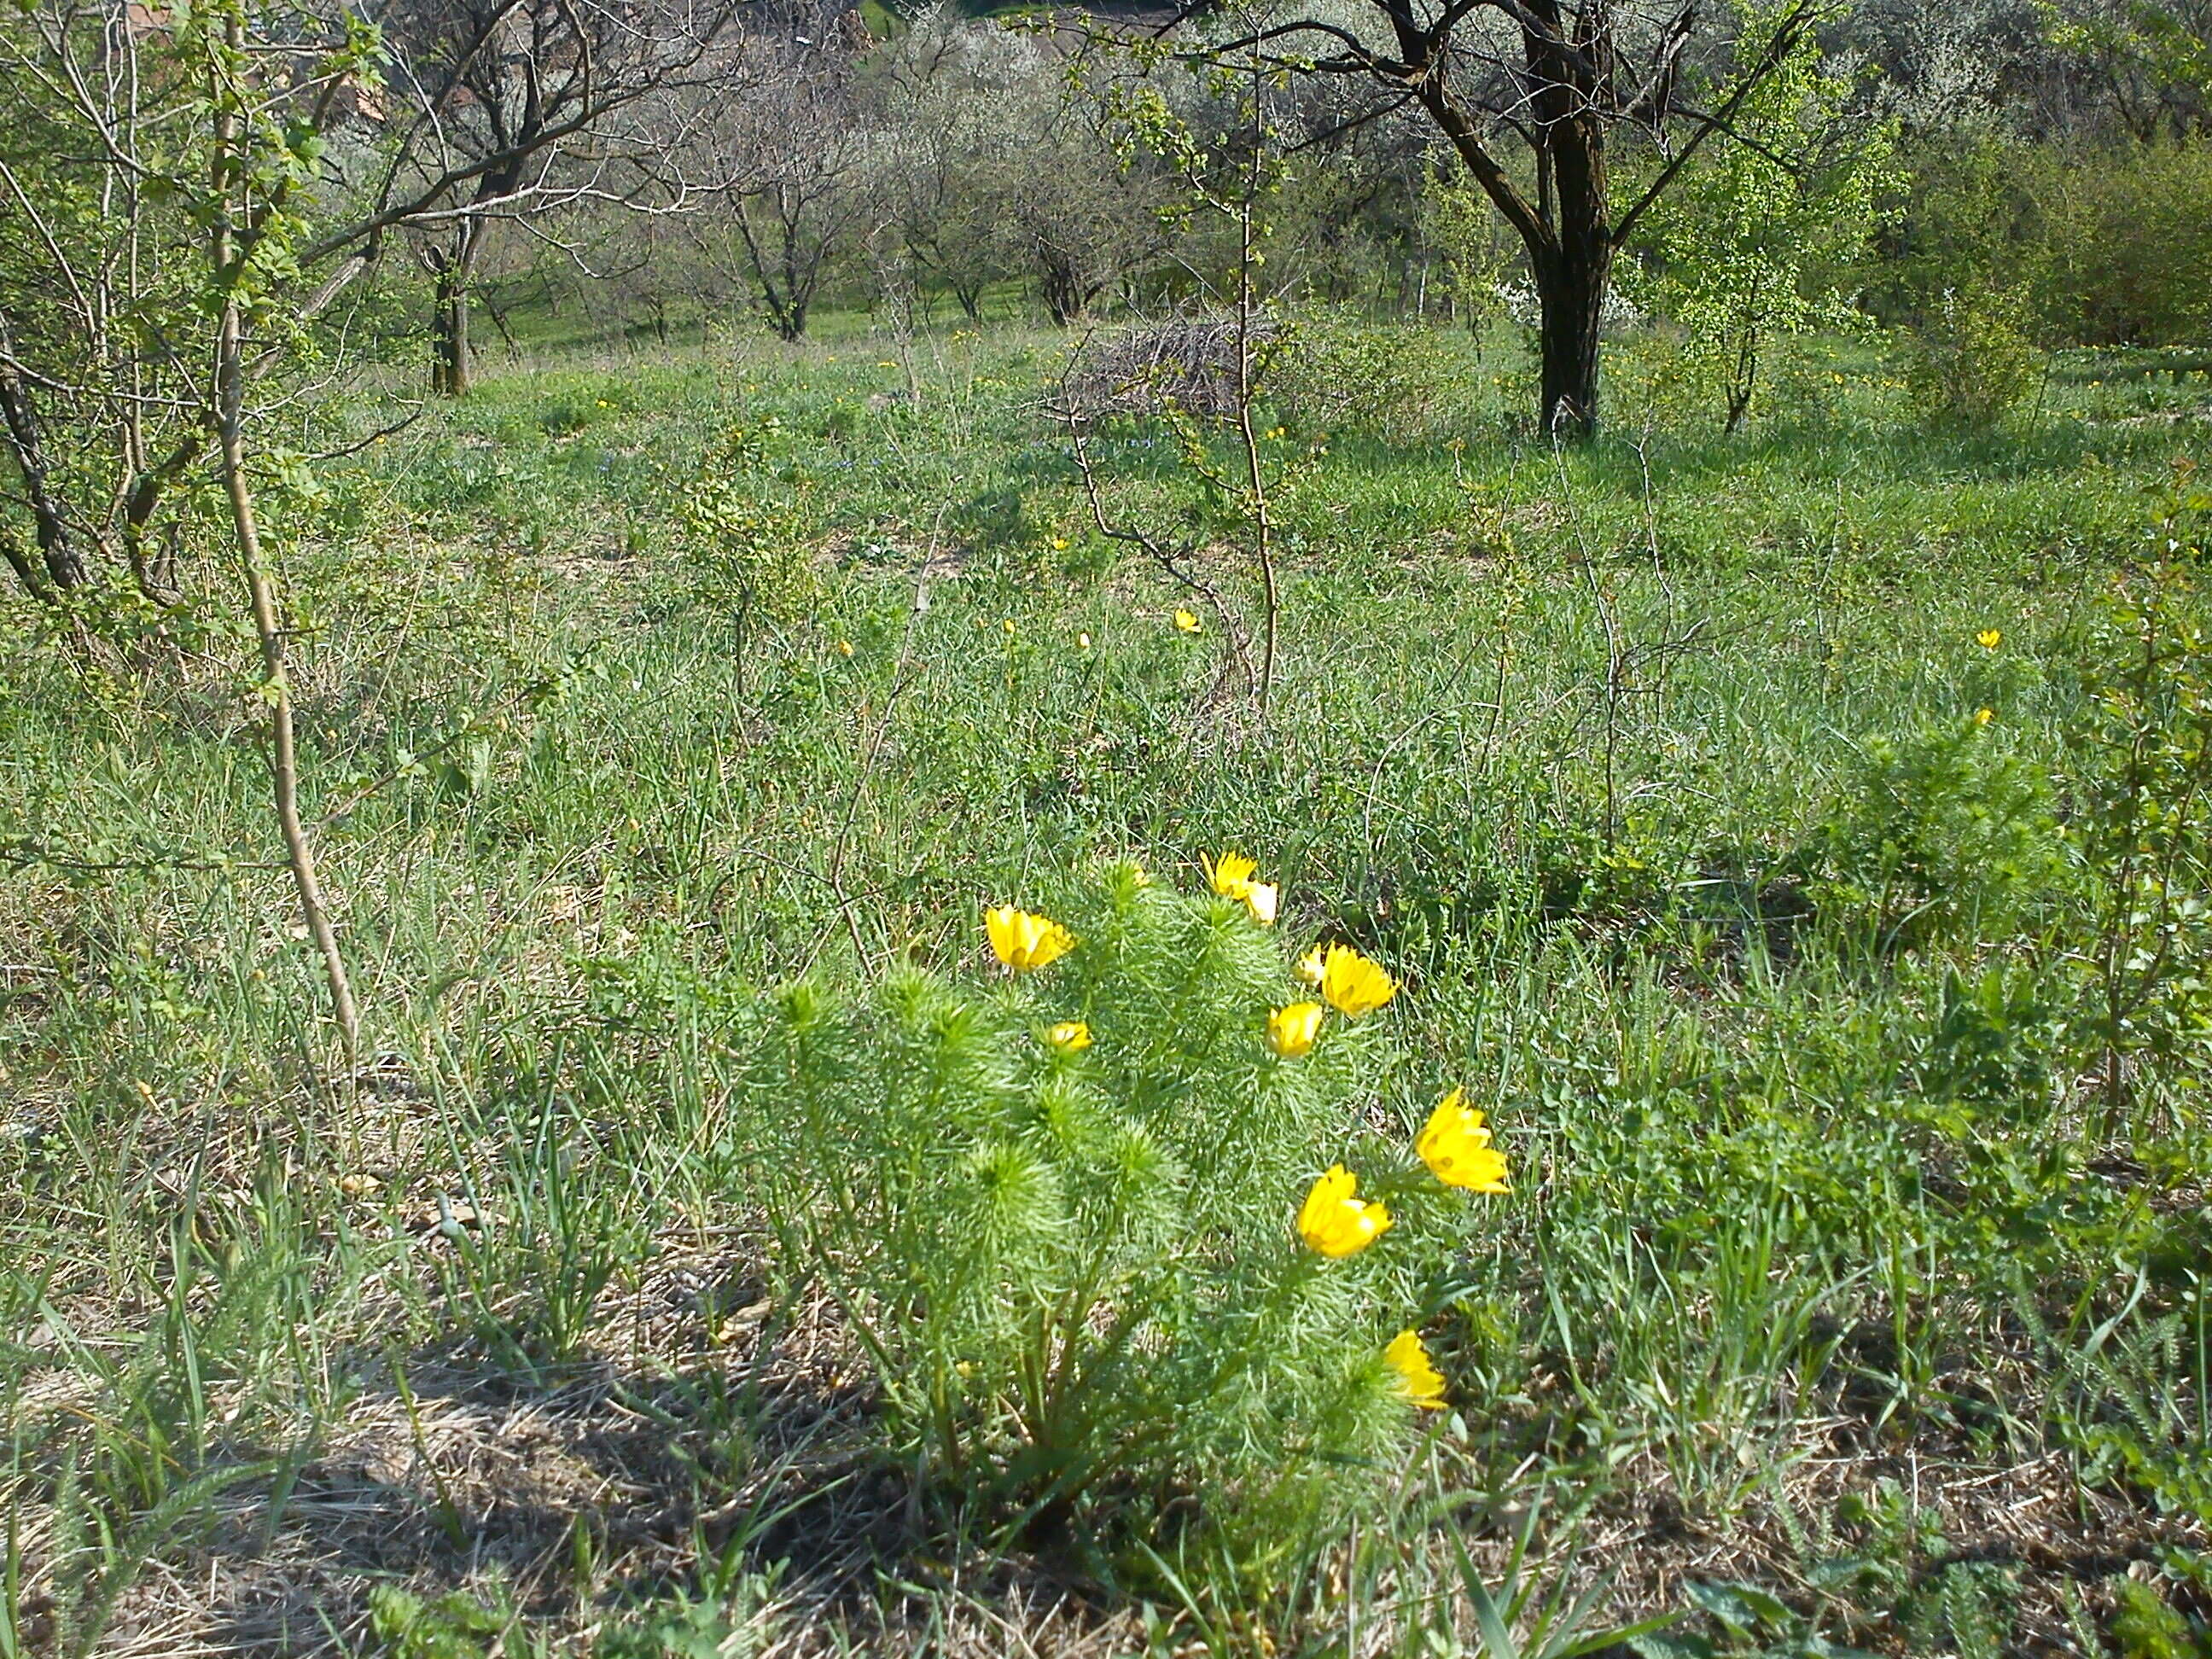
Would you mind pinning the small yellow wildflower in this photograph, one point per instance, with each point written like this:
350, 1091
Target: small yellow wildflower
1334, 1221
1352, 985
1069, 1037
1008, 625
1231, 876
1989, 638
1311, 967
844, 647
1186, 622
1423, 1383
1984, 716
1455, 1143
1083, 642
1292, 1031
1023, 941
1060, 544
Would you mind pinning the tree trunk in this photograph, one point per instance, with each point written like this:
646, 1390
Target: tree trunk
1571, 287
1574, 273
451, 366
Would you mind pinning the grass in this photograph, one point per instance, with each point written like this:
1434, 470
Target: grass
1830, 1307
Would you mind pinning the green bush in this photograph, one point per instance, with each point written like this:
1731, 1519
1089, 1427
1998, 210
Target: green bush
2129, 247
1054, 1213
1941, 837
1970, 365
1404, 383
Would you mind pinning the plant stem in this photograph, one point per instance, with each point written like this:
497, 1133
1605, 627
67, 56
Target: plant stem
229, 391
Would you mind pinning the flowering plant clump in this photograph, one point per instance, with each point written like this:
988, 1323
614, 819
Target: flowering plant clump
1117, 1225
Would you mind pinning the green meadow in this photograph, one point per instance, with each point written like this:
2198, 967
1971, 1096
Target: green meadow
1794, 844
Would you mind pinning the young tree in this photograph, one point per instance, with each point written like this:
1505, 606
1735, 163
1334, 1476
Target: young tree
1566, 82
156, 285
795, 155
174, 225
1750, 244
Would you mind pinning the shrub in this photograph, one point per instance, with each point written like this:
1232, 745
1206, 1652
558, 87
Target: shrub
1970, 365
1401, 383
1054, 1213
1940, 836
2130, 235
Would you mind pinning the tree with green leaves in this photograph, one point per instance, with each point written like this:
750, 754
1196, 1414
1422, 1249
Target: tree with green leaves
1568, 84
1756, 240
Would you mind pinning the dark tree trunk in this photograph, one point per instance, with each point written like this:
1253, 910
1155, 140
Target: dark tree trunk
453, 363
450, 365
1065, 293
1571, 290
1574, 273
62, 569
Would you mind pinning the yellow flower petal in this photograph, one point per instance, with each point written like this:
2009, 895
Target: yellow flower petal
1186, 623
1417, 1375
1230, 875
1334, 1221
1311, 966
1352, 985
1989, 638
1022, 941
1455, 1143
1292, 1031
1069, 1037
1260, 898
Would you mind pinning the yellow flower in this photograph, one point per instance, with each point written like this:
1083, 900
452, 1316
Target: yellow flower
1292, 1031
1023, 941
844, 647
1423, 1383
1186, 623
1261, 898
1069, 1037
1060, 544
1311, 967
1083, 642
1334, 1222
1989, 638
1984, 716
1455, 1143
1231, 876
1008, 626
1352, 985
